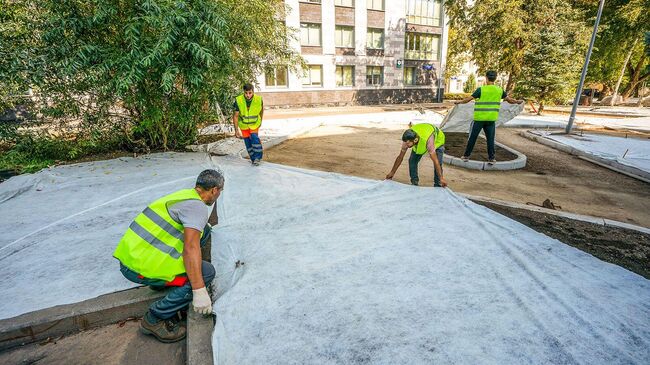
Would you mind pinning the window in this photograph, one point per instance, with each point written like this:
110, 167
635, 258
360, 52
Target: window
313, 76
309, 34
375, 38
276, 77
310, 1
410, 76
344, 36
344, 75
426, 12
375, 4
421, 46
374, 75
349, 3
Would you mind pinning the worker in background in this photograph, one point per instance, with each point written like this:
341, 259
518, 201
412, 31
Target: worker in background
162, 248
486, 113
249, 111
423, 139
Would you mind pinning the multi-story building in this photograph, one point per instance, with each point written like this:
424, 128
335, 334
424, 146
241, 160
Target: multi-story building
362, 52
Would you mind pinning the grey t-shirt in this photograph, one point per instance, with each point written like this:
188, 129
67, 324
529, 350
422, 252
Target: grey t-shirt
191, 213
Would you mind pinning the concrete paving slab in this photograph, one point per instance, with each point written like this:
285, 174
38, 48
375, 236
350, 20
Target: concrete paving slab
115, 344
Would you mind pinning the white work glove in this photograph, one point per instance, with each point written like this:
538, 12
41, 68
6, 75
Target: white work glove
201, 301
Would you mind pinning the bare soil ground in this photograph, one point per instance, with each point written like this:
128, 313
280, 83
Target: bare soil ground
575, 185
455, 144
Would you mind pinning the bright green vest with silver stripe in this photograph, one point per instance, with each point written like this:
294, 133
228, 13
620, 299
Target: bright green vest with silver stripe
424, 131
153, 244
486, 108
249, 118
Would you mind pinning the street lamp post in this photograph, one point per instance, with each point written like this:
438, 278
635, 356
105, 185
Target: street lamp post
576, 101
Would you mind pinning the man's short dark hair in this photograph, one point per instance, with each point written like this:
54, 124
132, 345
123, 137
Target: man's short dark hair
491, 75
409, 135
248, 87
209, 179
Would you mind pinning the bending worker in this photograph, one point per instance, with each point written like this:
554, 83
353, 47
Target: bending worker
422, 138
249, 111
486, 113
162, 248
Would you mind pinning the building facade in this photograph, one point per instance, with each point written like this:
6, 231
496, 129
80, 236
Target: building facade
361, 52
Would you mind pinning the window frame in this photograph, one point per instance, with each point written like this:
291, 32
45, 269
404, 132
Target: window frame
275, 78
310, 1
338, 28
372, 31
413, 46
308, 75
371, 3
342, 67
308, 27
370, 76
424, 14
414, 79
346, 6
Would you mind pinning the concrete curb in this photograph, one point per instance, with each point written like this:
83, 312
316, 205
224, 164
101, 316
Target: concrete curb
610, 164
69, 318
518, 163
578, 217
199, 339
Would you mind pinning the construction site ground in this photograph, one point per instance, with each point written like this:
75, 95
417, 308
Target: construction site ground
573, 185
120, 343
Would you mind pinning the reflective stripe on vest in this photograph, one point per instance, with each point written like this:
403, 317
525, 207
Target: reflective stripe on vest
424, 131
486, 108
249, 117
153, 244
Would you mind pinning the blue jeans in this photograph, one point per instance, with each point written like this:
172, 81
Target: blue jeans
178, 297
489, 129
254, 147
414, 160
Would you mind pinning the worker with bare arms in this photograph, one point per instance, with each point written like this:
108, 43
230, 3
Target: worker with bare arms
424, 139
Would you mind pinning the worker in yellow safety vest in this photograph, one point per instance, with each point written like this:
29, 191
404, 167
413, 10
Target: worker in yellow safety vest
423, 139
247, 120
162, 248
486, 113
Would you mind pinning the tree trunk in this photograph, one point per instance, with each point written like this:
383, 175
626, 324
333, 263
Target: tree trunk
635, 78
541, 108
620, 77
510, 85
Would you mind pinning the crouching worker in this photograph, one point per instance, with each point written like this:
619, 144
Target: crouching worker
423, 139
162, 248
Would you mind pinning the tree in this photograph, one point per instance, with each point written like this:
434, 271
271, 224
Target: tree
551, 62
470, 86
498, 34
162, 66
620, 35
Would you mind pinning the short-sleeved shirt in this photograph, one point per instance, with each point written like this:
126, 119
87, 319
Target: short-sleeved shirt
235, 106
477, 94
431, 144
191, 213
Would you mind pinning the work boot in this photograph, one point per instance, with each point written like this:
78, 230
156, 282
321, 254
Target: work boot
164, 330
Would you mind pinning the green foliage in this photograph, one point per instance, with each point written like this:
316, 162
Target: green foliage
470, 85
153, 68
456, 96
550, 68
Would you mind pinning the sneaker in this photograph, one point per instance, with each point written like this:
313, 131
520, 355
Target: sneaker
465, 158
256, 162
164, 330
492, 161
